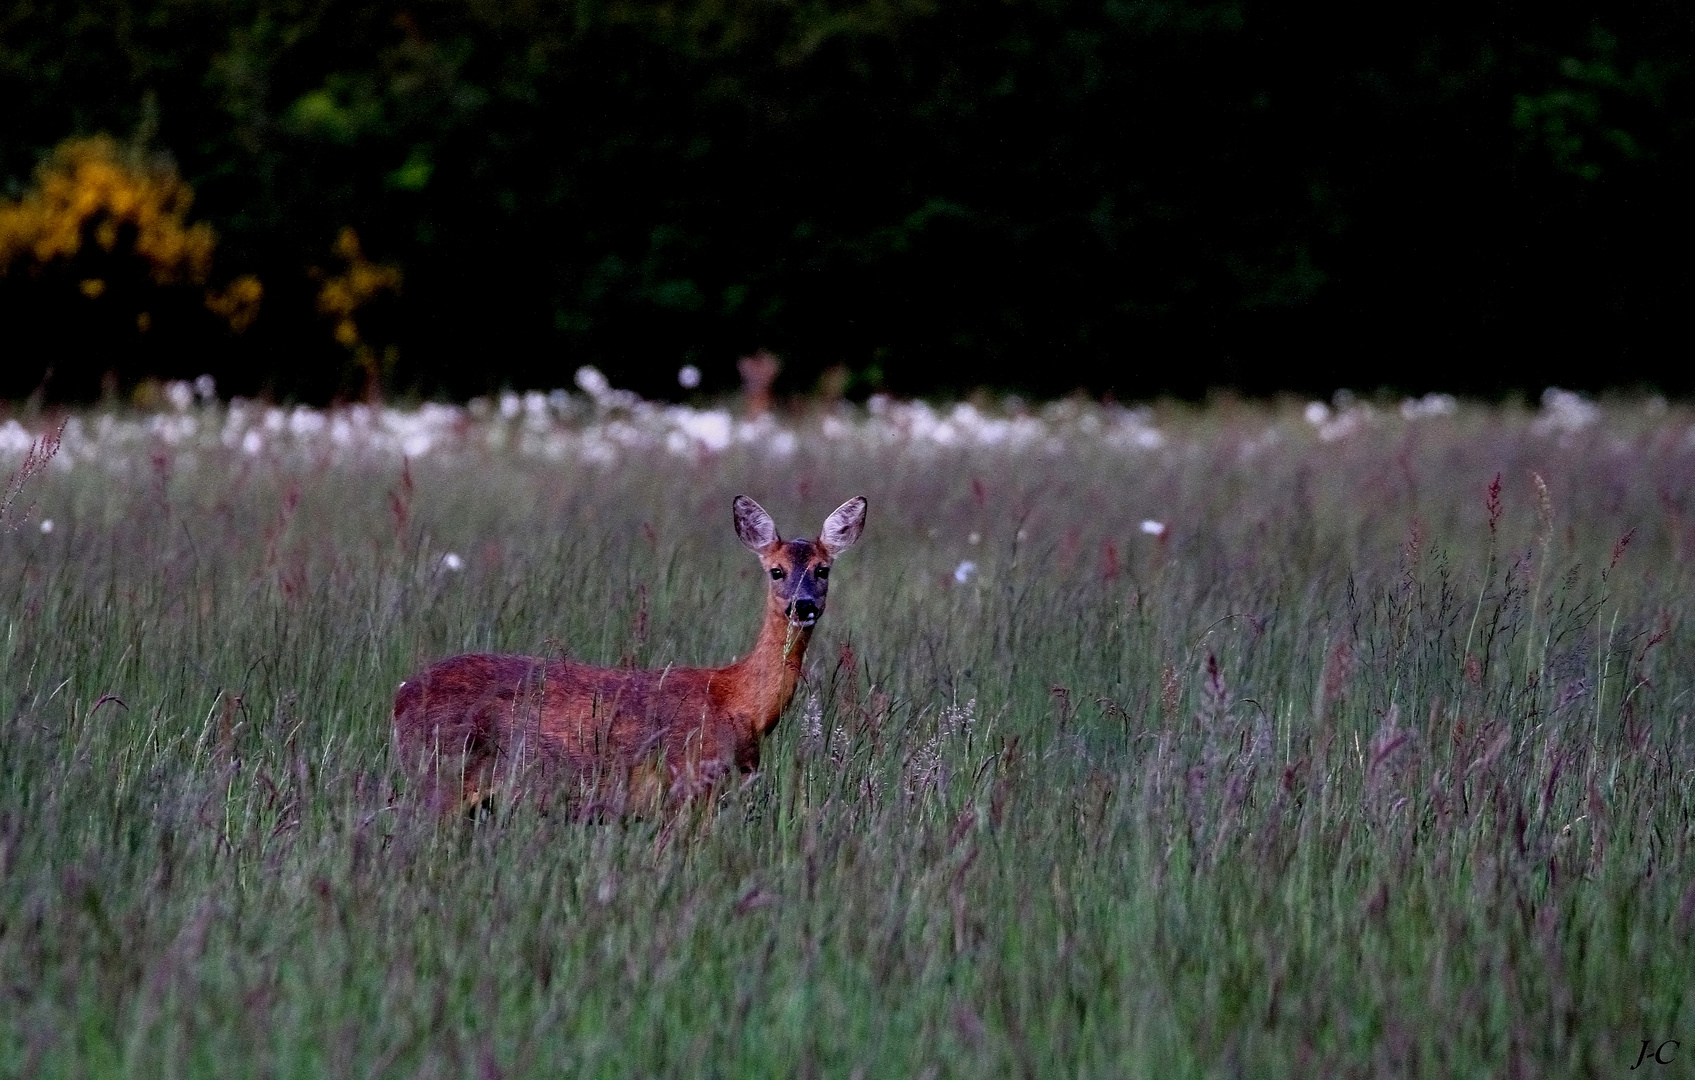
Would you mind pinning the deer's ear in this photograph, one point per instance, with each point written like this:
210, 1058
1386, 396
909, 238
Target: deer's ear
843, 527
754, 526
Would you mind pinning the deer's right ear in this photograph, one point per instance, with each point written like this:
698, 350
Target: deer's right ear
754, 526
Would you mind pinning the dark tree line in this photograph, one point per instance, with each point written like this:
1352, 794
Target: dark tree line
1125, 195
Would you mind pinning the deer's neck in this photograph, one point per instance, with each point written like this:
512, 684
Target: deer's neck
766, 678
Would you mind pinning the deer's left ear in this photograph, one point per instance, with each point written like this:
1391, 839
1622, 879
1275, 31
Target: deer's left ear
843, 527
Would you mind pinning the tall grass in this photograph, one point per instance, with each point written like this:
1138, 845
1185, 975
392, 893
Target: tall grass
1358, 770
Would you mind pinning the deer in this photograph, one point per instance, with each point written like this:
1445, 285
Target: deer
477, 726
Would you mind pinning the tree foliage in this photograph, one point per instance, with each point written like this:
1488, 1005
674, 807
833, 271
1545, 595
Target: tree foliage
1126, 194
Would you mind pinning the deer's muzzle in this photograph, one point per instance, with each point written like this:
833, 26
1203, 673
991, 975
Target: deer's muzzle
803, 612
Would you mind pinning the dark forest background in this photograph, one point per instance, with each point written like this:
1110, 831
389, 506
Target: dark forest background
1135, 197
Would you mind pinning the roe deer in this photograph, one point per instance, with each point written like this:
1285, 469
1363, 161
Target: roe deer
481, 723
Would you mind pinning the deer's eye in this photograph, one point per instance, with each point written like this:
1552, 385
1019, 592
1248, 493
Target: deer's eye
823, 573
776, 573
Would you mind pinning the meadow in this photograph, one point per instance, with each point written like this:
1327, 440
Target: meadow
1276, 739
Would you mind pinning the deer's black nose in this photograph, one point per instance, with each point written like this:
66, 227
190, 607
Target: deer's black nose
804, 611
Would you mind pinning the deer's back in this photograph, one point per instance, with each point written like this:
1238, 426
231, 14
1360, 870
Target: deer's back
565, 713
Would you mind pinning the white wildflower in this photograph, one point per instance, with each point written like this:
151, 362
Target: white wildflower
1348, 420
305, 422
15, 438
1429, 405
591, 382
964, 571
46, 525
452, 561
710, 429
1564, 412
688, 376
1154, 528
783, 444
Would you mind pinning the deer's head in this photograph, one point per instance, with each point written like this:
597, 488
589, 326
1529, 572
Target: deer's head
798, 570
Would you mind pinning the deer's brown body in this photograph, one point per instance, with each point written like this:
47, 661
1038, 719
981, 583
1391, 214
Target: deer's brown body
477, 724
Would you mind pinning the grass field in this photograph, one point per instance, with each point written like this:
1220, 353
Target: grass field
1360, 766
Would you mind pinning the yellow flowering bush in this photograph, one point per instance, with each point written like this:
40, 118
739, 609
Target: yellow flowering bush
361, 282
238, 303
342, 295
92, 195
